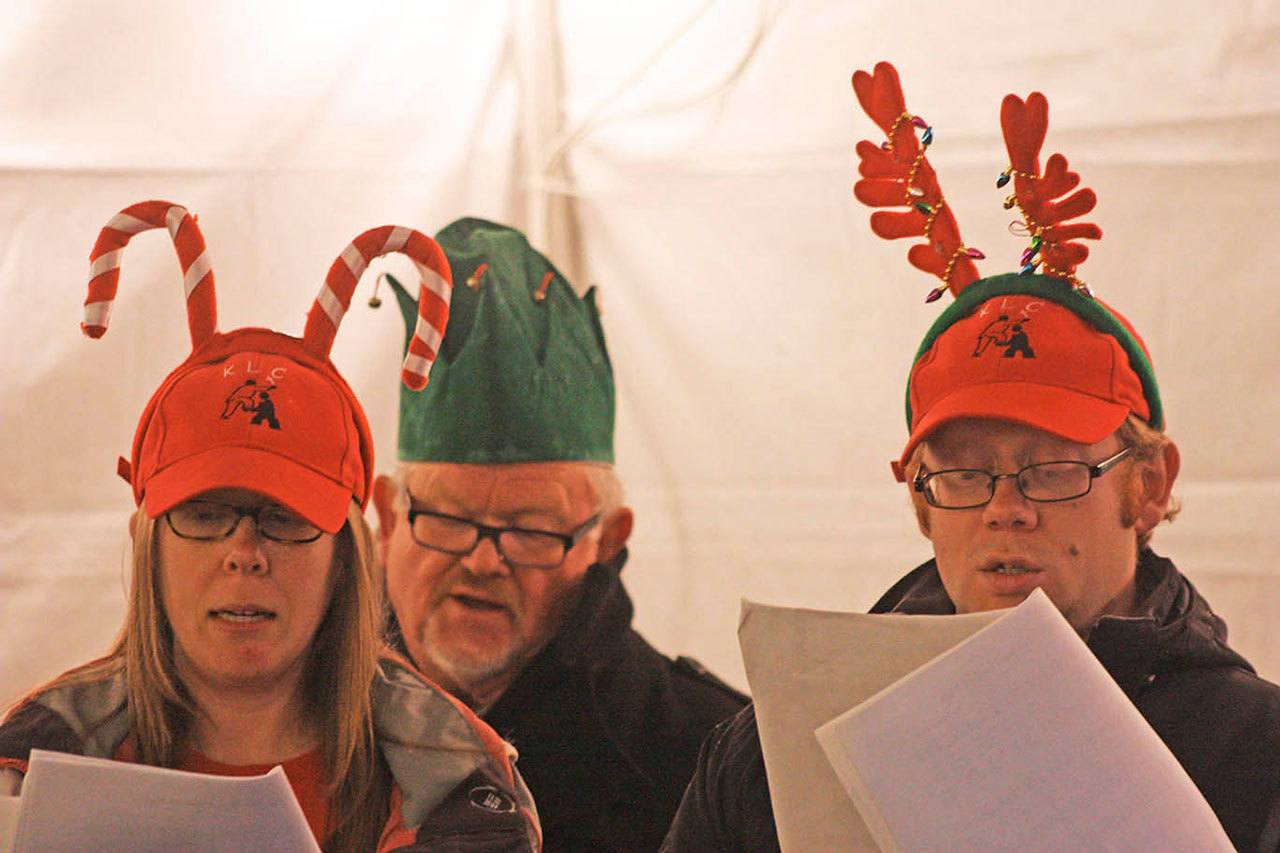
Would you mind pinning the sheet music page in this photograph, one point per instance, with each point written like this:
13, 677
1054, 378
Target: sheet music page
70, 802
8, 821
1016, 739
807, 666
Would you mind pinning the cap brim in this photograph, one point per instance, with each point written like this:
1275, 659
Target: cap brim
314, 496
1059, 411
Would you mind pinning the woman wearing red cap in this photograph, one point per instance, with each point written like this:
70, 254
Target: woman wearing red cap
253, 632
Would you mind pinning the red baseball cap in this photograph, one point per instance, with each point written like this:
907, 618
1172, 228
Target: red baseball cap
1032, 350
253, 408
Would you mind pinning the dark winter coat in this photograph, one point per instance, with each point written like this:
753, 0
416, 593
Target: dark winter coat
1219, 719
607, 728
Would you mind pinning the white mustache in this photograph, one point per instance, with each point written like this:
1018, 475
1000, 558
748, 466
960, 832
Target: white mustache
496, 591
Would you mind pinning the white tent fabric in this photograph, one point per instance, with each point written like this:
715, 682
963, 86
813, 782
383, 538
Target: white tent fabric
694, 161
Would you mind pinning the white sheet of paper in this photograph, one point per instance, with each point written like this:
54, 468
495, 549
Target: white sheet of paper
1016, 739
935, 679
70, 802
8, 821
807, 666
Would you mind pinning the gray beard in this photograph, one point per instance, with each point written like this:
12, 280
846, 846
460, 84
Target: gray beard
470, 670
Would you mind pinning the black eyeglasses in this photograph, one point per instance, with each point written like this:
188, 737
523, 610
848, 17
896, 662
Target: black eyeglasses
1044, 482
520, 547
209, 520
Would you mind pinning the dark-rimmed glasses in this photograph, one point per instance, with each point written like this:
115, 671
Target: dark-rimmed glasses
520, 547
210, 520
1043, 482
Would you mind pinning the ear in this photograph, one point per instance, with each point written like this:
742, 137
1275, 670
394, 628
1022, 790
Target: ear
1158, 477
615, 533
384, 501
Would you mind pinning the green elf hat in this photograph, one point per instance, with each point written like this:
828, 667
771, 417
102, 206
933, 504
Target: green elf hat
1033, 347
523, 374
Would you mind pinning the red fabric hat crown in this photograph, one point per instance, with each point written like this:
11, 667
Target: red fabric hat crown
253, 408
1031, 348
1028, 350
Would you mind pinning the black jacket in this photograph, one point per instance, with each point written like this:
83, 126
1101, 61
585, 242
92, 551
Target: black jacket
607, 728
1219, 719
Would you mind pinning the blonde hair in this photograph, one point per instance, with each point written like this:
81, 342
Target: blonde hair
1147, 443
340, 669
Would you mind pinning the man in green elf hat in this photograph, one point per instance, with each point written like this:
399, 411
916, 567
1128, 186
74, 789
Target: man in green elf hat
503, 533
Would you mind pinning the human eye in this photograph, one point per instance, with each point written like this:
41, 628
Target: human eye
201, 519
1054, 480
443, 531
1051, 472
277, 522
532, 546
202, 512
964, 481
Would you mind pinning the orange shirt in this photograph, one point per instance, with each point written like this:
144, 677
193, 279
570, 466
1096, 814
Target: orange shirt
305, 773
306, 777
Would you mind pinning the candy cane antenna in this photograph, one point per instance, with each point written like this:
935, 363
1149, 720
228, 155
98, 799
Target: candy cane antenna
197, 270
434, 293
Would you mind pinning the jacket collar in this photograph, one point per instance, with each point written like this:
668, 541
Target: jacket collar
1173, 627
596, 624
589, 639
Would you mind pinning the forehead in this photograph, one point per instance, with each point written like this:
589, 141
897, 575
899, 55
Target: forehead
989, 438
549, 487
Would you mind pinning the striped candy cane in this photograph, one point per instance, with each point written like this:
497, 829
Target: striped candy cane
433, 296
197, 273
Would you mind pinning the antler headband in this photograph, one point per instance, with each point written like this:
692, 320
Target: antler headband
330, 304
898, 174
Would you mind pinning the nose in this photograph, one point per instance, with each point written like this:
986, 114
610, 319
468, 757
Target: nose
1009, 508
484, 559
246, 554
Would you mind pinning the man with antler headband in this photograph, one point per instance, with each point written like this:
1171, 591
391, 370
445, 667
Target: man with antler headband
1036, 459
503, 536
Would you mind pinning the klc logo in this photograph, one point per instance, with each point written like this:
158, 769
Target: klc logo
253, 398
1007, 331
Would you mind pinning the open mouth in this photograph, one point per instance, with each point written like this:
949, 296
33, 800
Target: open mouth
477, 603
242, 615
1009, 567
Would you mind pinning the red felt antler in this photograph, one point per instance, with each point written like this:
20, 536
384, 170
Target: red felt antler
897, 174
1052, 237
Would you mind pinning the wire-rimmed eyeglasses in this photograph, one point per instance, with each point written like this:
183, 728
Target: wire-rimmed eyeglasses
1043, 482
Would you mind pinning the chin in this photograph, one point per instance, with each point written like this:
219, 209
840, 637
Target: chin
472, 666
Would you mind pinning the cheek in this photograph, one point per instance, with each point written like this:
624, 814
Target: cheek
547, 597
413, 574
951, 533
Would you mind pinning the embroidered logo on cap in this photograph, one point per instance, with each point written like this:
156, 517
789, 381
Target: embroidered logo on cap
1007, 332
491, 799
251, 399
